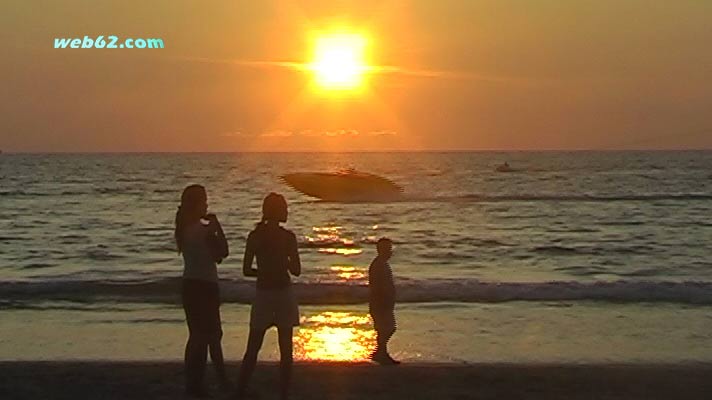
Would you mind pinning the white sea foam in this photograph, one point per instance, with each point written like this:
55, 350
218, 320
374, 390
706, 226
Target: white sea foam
409, 291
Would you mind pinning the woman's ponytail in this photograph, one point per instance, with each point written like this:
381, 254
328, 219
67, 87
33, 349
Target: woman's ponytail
193, 197
178, 233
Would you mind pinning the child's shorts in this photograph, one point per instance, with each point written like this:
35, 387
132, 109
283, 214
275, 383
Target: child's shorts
384, 319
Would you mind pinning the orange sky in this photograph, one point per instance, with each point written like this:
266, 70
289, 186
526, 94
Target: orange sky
464, 75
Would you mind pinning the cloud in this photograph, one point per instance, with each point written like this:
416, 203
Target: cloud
277, 133
249, 63
232, 134
326, 134
373, 69
309, 133
341, 132
382, 133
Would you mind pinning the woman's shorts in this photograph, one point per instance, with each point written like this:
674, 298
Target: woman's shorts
274, 307
201, 303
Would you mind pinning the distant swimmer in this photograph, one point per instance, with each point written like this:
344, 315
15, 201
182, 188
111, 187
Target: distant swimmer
504, 168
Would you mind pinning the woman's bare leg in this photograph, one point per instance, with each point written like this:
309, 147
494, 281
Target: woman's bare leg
196, 355
285, 360
216, 355
254, 343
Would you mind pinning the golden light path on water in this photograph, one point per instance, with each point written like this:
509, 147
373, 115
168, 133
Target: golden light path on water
341, 251
347, 272
328, 240
335, 336
331, 335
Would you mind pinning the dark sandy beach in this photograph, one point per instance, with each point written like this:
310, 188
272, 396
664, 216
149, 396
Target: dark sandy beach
163, 380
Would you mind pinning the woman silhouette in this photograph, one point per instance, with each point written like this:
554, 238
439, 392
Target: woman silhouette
201, 241
274, 305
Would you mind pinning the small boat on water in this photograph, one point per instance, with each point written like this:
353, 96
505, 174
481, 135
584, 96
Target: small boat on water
347, 185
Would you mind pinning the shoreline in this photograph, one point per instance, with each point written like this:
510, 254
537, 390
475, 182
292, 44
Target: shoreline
519, 333
321, 380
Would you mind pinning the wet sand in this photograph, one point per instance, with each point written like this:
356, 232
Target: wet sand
164, 380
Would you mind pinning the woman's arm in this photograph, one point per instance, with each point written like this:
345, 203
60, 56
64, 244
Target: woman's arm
247, 269
295, 265
217, 230
223, 240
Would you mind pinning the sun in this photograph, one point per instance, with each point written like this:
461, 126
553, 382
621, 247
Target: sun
339, 61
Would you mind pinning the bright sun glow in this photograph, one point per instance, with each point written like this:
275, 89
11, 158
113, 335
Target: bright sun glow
339, 61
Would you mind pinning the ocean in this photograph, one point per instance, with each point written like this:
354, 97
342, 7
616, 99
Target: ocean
573, 256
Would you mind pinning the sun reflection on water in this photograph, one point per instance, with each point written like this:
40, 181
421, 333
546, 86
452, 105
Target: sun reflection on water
335, 336
347, 272
340, 250
328, 240
330, 229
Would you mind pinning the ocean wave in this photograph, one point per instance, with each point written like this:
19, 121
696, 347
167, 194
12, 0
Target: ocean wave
167, 290
72, 193
101, 255
38, 265
568, 198
556, 250
414, 197
483, 198
560, 250
23, 193
13, 238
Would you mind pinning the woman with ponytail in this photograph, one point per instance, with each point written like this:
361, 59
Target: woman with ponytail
274, 305
200, 239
